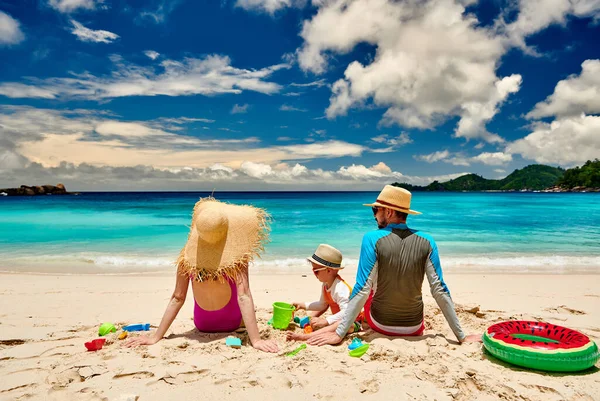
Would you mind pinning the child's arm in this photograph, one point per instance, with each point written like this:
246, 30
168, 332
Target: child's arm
341, 296
319, 306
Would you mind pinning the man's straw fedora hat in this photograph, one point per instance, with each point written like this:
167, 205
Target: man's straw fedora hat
395, 198
327, 256
223, 239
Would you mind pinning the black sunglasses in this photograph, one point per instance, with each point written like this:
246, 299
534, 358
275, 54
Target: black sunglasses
374, 209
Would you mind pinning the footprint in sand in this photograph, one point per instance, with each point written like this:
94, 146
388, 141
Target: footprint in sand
143, 374
12, 343
564, 308
542, 389
185, 377
369, 387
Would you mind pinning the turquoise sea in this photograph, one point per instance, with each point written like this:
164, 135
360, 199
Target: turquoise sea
130, 232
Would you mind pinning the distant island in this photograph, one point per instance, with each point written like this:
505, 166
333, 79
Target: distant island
24, 190
535, 177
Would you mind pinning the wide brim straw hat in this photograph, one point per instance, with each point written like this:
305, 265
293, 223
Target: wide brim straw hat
327, 256
394, 198
223, 239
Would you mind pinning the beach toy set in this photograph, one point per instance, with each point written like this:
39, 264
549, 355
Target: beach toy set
137, 327
283, 313
233, 342
95, 345
357, 348
304, 323
541, 346
107, 328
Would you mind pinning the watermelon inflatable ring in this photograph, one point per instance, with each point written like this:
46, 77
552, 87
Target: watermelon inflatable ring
540, 345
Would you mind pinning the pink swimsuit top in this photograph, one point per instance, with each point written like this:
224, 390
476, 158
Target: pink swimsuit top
228, 318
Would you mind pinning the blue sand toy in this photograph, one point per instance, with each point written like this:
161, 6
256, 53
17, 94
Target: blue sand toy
357, 342
233, 342
137, 327
302, 321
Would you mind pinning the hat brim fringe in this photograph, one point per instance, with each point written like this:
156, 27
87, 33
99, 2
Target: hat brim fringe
236, 267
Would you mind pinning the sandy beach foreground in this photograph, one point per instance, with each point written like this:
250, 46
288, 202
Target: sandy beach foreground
45, 319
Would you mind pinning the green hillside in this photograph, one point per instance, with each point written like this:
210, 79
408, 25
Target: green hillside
587, 175
533, 177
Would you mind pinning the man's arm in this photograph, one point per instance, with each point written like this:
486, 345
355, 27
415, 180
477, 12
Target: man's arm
440, 292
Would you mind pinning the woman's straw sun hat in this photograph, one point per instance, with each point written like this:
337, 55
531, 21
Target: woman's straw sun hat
395, 198
327, 256
223, 239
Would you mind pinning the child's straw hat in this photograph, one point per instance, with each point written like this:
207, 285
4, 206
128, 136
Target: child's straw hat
327, 256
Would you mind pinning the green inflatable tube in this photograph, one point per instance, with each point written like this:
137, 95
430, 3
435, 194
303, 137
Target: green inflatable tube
541, 346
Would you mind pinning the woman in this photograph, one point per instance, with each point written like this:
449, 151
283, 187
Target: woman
223, 239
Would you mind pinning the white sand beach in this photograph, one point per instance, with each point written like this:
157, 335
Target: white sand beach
45, 320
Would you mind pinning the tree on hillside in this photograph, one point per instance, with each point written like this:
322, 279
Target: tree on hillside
587, 175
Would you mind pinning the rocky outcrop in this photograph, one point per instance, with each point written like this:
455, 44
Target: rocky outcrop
25, 190
574, 189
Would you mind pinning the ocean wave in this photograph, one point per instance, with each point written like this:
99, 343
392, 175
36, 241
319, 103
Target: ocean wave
102, 263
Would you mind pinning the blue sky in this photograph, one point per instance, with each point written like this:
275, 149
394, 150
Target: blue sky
292, 94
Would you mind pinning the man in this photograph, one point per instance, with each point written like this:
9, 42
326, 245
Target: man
393, 263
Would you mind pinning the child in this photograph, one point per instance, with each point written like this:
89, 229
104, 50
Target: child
326, 263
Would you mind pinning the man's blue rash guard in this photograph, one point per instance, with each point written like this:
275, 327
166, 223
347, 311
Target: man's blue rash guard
393, 263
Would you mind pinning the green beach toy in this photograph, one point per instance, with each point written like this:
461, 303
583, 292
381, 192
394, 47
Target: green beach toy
294, 352
106, 328
283, 313
360, 351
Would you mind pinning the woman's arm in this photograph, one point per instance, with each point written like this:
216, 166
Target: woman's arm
249, 315
175, 304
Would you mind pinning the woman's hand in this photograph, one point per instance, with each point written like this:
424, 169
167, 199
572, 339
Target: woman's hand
266, 346
298, 305
141, 340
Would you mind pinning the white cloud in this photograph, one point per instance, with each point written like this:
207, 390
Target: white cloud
319, 83
18, 90
433, 61
151, 54
475, 115
493, 159
566, 141
269, 6
184, 120
10, 30
392, 143
433, 157
157, 12
537, 15
499, 170
459, 159
382, 168
211, 75
285, 107
69, 6
327, 149
239, 109
249, 175
90, 35
574, 95
80, 136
